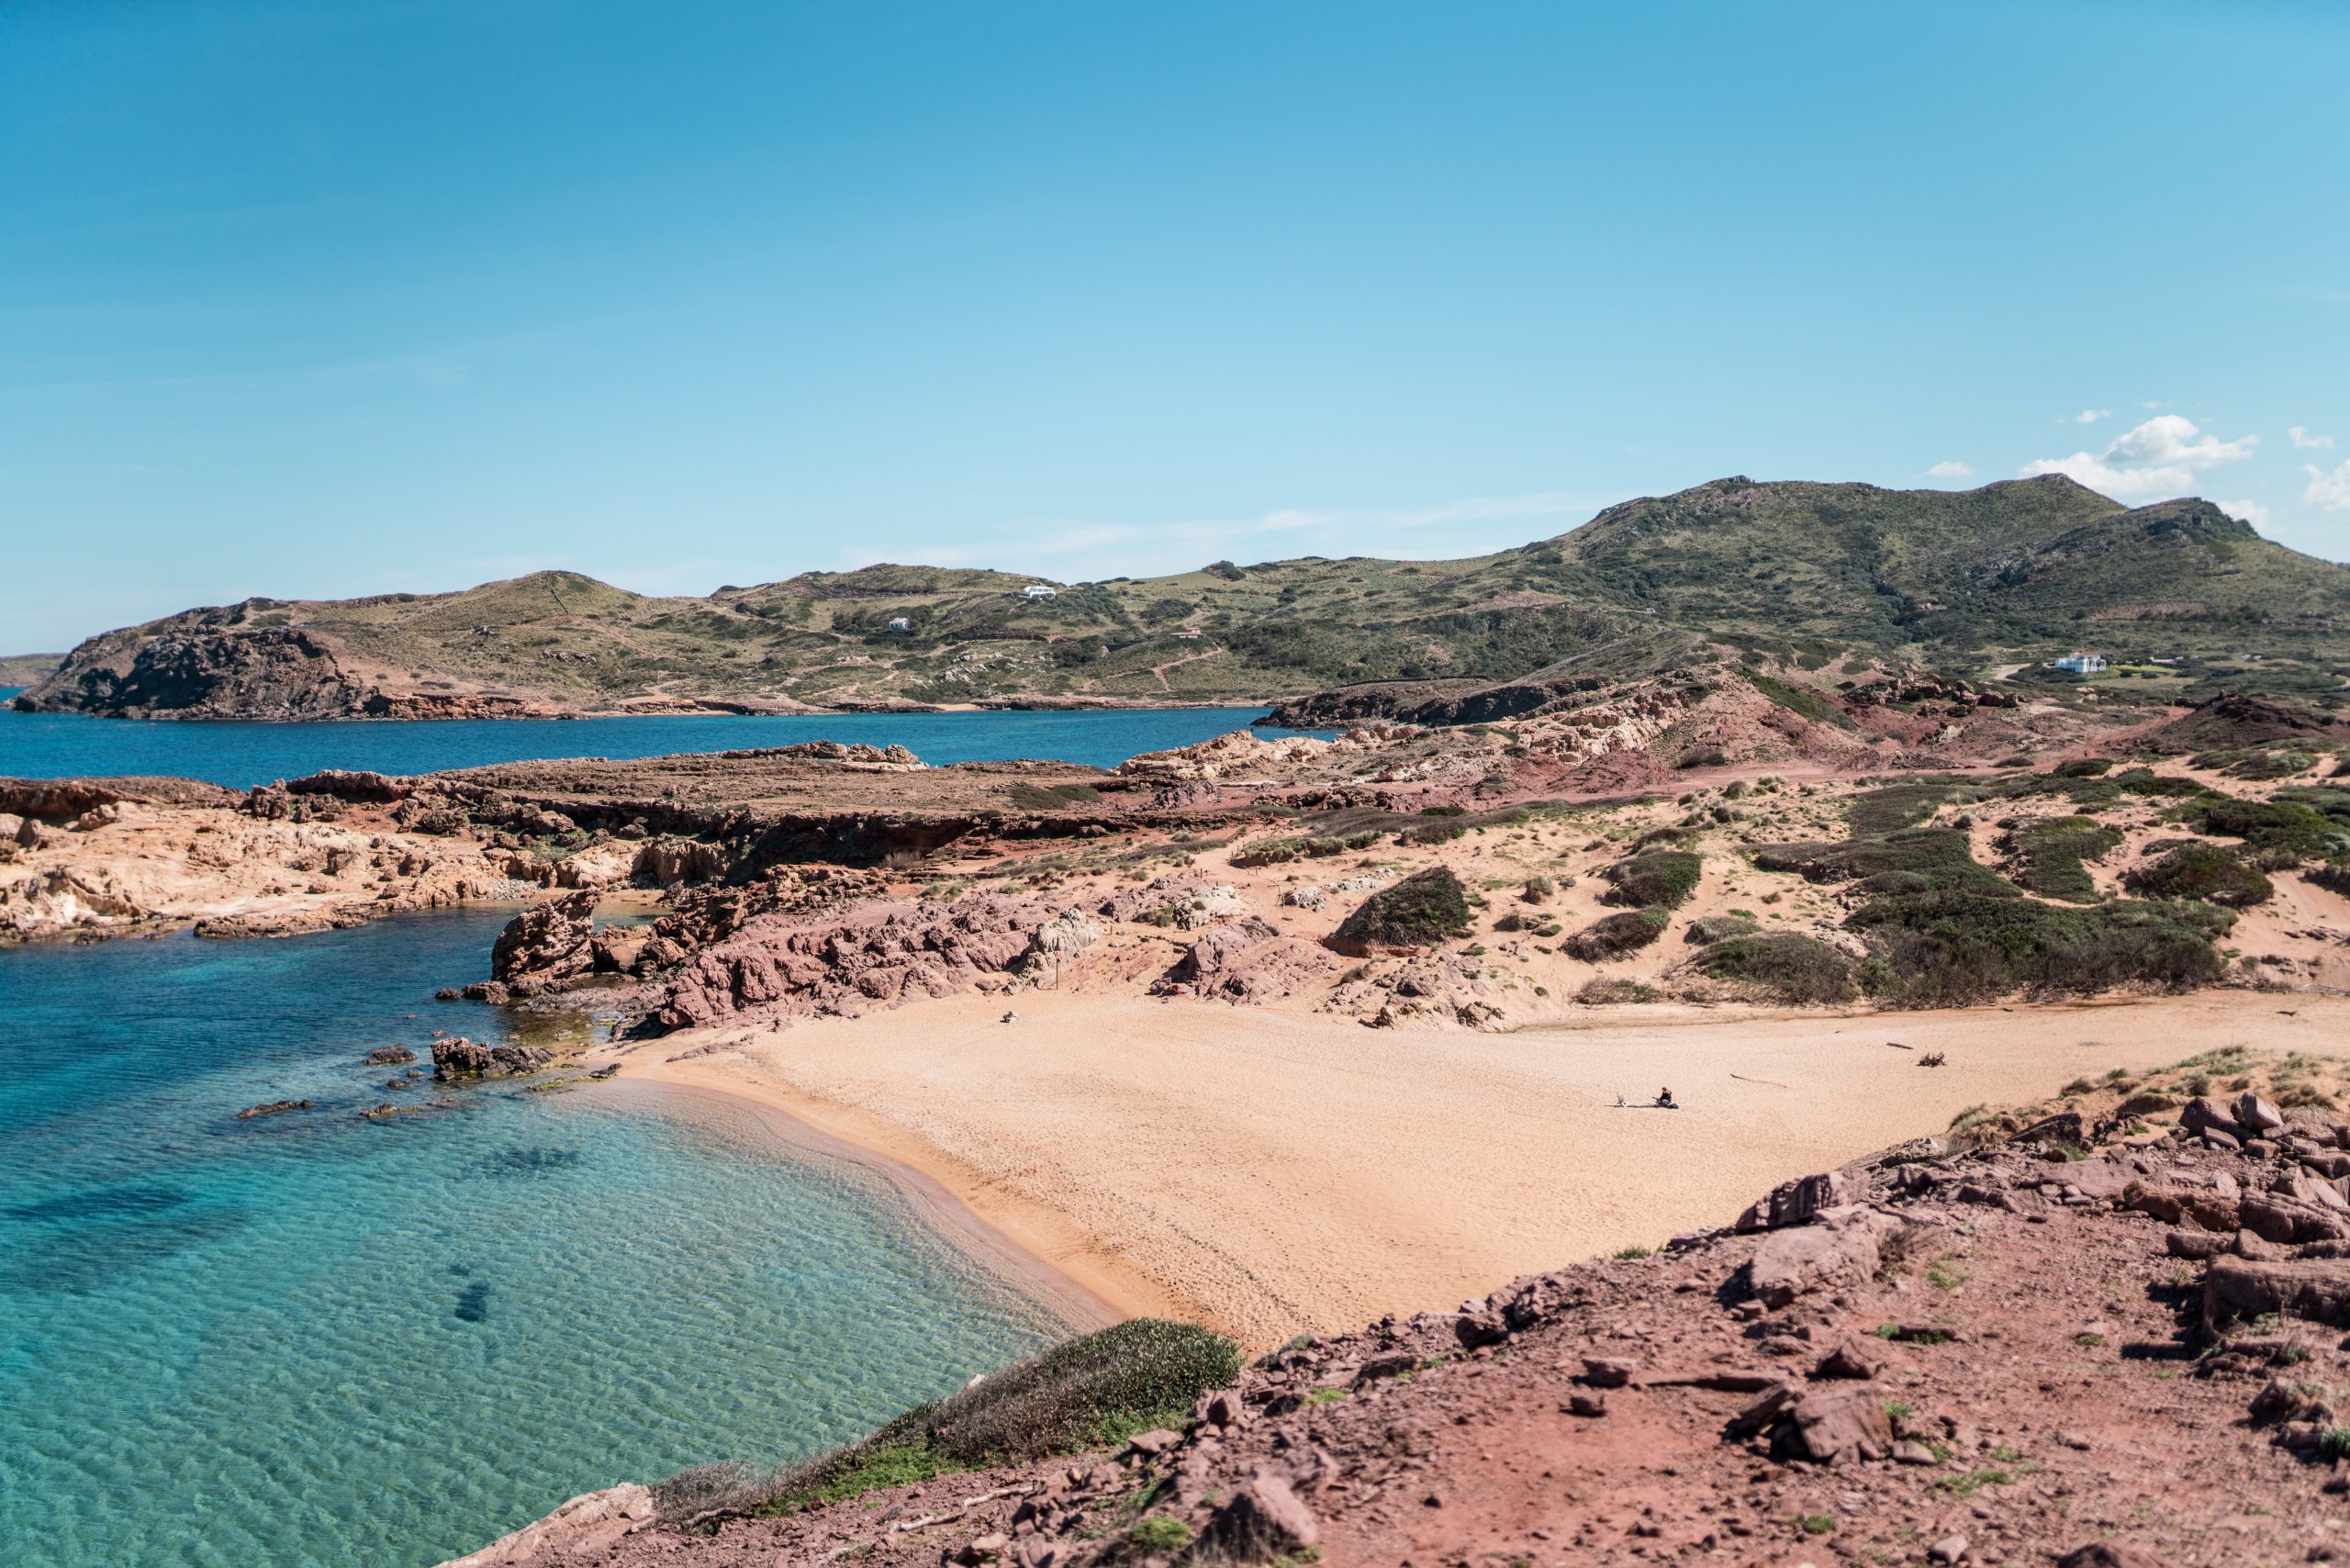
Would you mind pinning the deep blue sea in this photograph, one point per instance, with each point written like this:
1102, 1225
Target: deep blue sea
62, 746
314, 1338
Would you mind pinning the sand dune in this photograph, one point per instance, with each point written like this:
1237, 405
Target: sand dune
1271, 1173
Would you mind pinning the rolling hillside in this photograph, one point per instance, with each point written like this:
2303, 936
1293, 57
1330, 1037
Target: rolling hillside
1794, 574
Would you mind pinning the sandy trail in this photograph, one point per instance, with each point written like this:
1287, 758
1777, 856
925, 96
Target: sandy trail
1267, 1172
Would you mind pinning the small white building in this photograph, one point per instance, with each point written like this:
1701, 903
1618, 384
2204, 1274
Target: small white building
1040, 590
2082, 664
901, 623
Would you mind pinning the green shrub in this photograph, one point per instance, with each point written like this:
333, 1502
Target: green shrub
2083, 767
1874, 813
1088, 1393
1655, 878
1711, 928
1421, 911
2202, 871
1616, 935
2146, 781
2290, 823
1801, 971
1940, 855
2056, 853
1950, 948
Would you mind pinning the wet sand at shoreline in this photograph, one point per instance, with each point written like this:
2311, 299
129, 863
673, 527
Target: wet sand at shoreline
1270, 1172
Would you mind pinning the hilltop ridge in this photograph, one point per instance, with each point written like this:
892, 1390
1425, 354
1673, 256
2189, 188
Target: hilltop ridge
1792, 571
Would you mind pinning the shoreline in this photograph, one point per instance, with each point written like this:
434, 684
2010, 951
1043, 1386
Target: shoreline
1026, 1246
1268, 1173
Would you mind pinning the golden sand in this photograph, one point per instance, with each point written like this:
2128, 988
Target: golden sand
1267, 1172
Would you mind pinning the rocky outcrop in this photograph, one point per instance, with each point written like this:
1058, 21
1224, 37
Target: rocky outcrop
459, 1059
590, 1523
1248, 960
247, 672
546, 948
881, 952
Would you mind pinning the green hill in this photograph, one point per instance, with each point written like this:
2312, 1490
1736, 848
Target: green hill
1794, 573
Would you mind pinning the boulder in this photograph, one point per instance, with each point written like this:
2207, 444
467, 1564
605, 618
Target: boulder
391, 1056
1608, 1371
460, 1057
1843, 1247
617, 950
1851, 1358
2274, 1217
2207, 1115
1799, 1201
1828, 1426
2201, 1207
1265, 1518
2317, 1289
2256, 1116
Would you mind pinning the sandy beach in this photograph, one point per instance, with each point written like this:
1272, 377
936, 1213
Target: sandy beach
1268, 1173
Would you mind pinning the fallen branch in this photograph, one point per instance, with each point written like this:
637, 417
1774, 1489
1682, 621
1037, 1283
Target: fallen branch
1743, 1078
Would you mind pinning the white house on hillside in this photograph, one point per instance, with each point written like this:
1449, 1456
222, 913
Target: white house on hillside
1039, 590
2082, 664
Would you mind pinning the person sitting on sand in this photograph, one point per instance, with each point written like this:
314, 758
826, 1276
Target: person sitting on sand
1664, 1099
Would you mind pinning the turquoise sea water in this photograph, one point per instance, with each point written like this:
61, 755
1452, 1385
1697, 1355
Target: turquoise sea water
62, 746
312, 1339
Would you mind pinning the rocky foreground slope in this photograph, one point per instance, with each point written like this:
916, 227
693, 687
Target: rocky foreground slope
2110, 1337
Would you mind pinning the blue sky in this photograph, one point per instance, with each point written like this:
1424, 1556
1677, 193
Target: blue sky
313, 299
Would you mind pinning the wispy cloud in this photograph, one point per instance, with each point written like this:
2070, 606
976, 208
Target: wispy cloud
2091, 416
2328, 492
1140, 547
1951, 470
2304, 441
2157, 459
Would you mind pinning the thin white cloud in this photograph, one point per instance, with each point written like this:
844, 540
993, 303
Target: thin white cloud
1951, 470
2153, 461
2304, 441
1147, 548
2252, 512
2328, 492
2091, 416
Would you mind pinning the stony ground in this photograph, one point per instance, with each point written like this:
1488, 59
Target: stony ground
2003, 1357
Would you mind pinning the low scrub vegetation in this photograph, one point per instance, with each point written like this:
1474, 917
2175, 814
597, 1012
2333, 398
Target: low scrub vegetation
2299, 824
1654, 878
2054, 856
1929, 859
1280, 851
2202, 871
1090, 1393
1613, 936
1801, 971
1946, 948
1421, 911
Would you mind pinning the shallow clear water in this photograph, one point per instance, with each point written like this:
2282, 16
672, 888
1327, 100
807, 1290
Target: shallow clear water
63, 746
312, 1339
